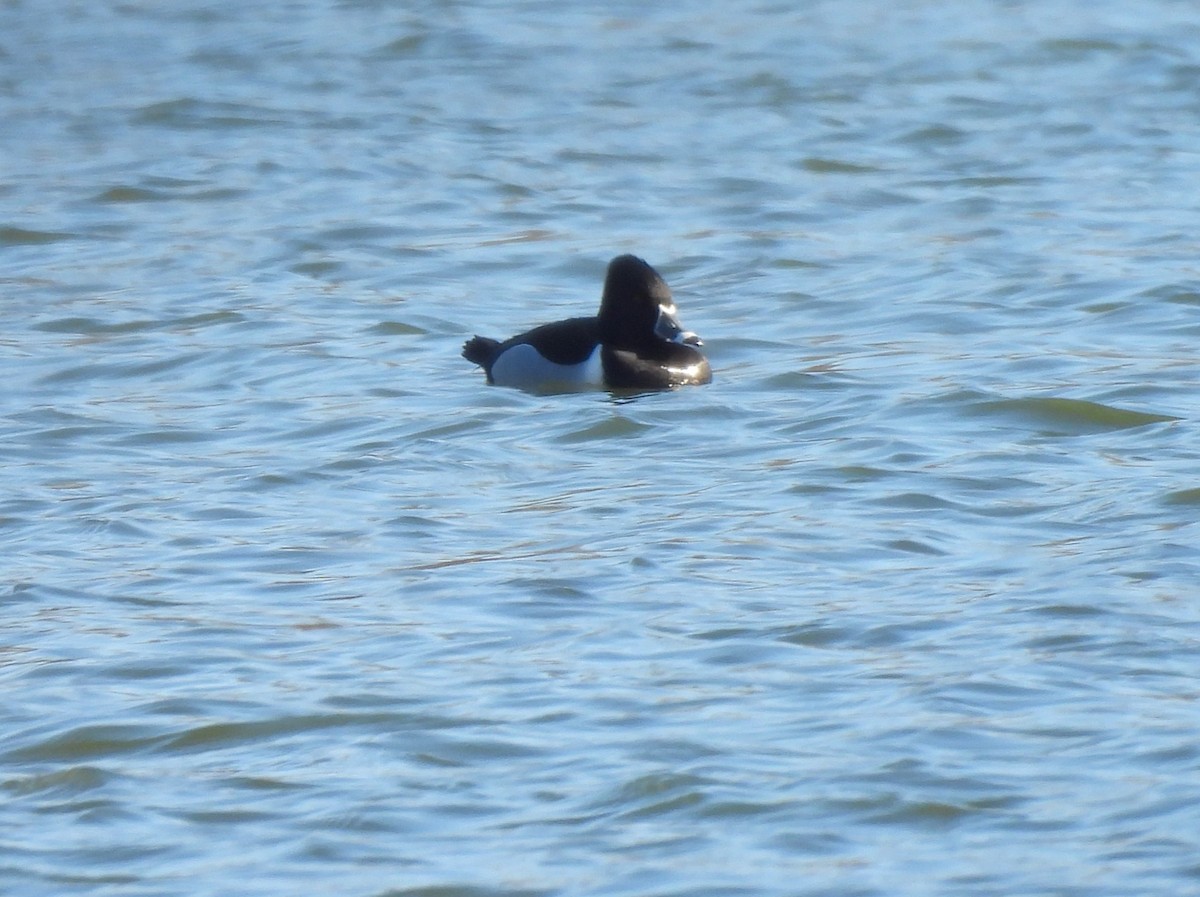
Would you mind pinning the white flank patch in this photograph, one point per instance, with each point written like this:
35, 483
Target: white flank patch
523, 367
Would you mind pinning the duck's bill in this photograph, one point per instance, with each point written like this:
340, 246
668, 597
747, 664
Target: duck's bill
668, 327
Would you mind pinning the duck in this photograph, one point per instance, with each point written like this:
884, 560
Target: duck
634, 342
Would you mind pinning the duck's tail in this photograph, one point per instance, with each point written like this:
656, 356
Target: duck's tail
480, 350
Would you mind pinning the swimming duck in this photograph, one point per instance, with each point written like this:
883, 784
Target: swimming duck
635, 341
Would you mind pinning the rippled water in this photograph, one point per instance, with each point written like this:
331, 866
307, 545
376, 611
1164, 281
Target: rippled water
904, 602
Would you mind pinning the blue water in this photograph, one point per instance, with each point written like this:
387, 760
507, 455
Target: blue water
903, 603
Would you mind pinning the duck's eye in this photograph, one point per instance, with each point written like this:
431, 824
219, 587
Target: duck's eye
667, 327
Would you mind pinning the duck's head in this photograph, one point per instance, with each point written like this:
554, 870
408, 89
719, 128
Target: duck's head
637, 308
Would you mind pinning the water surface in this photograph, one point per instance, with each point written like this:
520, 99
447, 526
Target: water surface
902, 603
